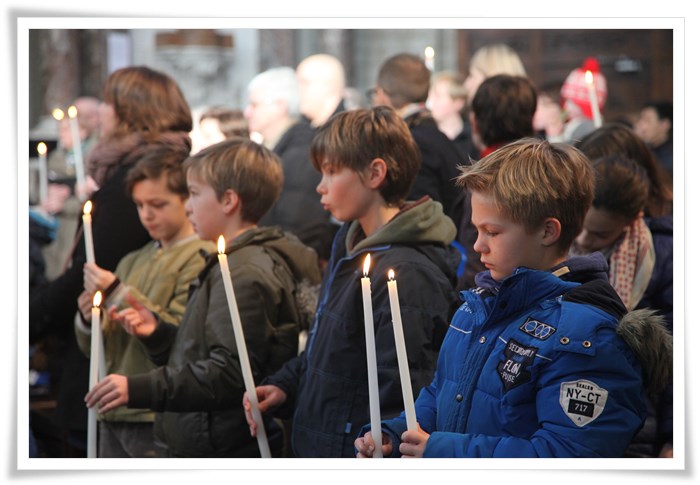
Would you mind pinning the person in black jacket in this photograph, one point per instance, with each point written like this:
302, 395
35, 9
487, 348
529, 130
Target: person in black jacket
141, 109
403, 83
273, 112
368, 162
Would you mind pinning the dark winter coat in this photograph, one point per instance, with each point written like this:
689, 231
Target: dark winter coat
198, 390
327, 386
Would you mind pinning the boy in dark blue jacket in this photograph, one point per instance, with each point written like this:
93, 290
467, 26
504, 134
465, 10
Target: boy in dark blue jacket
368, 161
535, 363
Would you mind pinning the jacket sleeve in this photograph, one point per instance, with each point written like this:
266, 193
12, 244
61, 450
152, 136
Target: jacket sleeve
610, 392
215, 380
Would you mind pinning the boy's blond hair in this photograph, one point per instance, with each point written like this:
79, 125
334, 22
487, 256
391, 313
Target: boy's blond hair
249, 169
531, 180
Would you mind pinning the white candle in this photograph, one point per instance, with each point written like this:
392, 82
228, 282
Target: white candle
593, 99
242, 350
87, 232
43, 176
77, 150
404, 373
94, 373
429, 58
374, 413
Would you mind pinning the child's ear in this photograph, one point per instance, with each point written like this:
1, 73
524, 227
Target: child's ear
376, 173
230, 201
552, 231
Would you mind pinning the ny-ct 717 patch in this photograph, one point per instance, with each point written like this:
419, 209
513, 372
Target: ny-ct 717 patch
513, 370
582, 401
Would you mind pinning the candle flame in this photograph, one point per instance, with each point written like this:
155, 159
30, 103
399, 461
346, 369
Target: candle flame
57, 114
429, 52
97, 299
221, 244
365, 268
87, 208
72, 111
589, 77
391, 274
41, 148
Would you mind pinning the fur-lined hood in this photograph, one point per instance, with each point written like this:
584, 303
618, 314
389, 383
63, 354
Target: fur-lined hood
646, 334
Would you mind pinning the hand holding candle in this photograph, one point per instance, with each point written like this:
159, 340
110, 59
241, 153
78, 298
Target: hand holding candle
404, 373
94, 373
374, 412
242, 350
87, 232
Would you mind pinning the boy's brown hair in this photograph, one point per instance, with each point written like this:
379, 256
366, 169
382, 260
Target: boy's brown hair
162, 160
405, 79
249, 169
531, 180
354, 138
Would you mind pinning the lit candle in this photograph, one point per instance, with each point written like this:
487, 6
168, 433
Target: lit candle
242, 350
43, 177
593, 99
406, 389
77, 150
374, 414
94, 373
87, 232
429, 55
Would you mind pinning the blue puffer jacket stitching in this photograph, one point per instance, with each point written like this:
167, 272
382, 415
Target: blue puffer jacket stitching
527, 372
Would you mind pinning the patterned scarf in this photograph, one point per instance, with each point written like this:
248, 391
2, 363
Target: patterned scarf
631, 263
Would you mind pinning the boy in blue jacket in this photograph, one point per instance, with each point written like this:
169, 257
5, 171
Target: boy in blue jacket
535, 363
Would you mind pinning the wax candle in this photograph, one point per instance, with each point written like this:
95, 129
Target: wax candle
242, 350
87, 232
77, 150
404, 373
429, 56
593, 99
374, 413
94, 373
43, 176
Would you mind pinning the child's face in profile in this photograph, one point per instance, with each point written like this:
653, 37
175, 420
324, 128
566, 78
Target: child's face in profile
343, 193
601, 229
161, 211
204, 209
503, 244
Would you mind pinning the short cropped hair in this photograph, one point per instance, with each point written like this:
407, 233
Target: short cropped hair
503, 107
454, 82
621, 186
159, 161
531, 180
405, 79
354, 138
249, 169
279, 83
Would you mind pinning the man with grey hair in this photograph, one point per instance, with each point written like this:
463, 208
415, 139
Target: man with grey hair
273, 111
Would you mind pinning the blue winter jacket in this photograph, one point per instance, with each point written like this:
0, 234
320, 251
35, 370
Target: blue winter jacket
533, 367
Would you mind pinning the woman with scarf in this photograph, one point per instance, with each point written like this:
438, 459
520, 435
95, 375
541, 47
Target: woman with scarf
639, 251
142, 109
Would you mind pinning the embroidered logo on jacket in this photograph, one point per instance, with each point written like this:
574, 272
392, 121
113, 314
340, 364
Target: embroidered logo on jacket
513, 370
537, 329
582, 401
